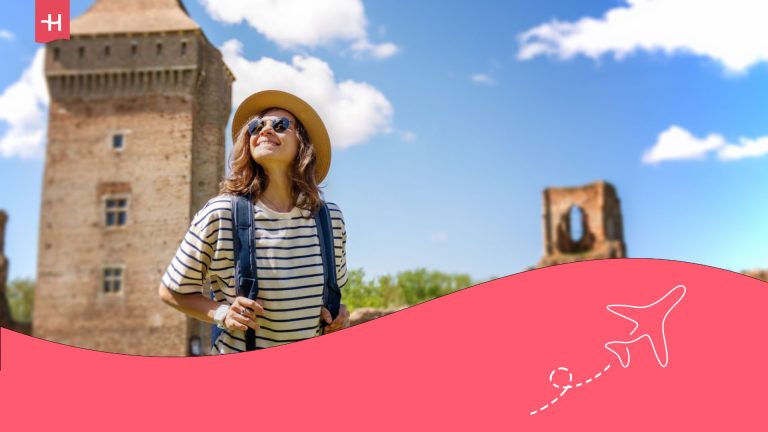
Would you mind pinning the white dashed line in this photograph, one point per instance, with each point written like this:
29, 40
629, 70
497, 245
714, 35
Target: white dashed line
567, 386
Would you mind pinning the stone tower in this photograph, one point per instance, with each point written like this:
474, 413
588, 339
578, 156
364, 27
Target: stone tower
599, 233
139, 104
5, 312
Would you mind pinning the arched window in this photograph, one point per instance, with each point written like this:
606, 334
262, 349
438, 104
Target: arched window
576, 219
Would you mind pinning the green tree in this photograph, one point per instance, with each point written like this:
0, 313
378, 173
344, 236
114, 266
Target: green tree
421, 285
357, 293
407, 288
391, 293
21, 296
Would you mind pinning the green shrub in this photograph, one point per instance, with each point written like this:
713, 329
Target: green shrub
407, 288
21, 295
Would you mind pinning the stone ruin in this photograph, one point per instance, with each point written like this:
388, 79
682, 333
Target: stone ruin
362, 315
582, 223
761, 274
600, 232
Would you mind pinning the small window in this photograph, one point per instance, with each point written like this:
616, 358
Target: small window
195, 347
81, 52
118, 141
576, 215
106, 51
56, 53
116, 211
134, 49
159, 48
183, 48
113, 280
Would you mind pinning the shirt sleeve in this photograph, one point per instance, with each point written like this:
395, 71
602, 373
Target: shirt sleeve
339, 243
189, 268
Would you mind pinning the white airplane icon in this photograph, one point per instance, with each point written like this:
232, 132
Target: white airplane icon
649, 322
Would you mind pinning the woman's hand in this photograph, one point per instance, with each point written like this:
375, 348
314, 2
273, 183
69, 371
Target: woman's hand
242, 314
341, 321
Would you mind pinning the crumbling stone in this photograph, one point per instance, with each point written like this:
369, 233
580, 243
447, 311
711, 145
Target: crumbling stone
601, 228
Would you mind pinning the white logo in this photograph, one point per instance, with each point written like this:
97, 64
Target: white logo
50, 23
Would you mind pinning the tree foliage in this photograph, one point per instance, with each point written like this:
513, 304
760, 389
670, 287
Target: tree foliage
406, 288
20, 294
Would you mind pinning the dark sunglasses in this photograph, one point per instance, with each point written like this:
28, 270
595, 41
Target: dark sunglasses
279, 124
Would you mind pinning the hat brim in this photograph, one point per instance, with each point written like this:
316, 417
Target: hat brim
313, 124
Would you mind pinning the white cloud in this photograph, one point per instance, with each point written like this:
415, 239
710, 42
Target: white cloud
23, 109
746, 148
352, 111
676, 143
439, 237
5, 34
483, 79
303, 23
407, 136
732, 32
381, 51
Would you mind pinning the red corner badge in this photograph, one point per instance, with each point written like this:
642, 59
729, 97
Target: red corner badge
51, 20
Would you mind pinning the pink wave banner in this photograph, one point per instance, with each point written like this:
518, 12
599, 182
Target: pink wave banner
624, 344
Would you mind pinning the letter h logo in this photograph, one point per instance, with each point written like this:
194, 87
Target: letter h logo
51, 20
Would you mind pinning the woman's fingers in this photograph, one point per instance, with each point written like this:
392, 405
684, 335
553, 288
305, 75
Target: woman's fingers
325, 315
248, 319
341, 321
232, 324
244, 321
252, 305
243, 313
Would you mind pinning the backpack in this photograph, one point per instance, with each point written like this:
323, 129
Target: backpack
246, 279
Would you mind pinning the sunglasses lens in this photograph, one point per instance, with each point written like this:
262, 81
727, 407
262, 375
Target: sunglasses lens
280, 125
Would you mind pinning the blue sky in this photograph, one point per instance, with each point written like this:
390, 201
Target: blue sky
450, 118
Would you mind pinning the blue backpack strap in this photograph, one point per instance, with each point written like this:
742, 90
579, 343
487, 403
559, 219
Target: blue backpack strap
331, 290
246, 283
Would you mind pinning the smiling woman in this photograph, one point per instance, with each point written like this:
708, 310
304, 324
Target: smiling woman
281, 152
274, 141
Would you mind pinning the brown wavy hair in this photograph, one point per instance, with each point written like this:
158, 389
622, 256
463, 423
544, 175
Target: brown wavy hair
248, 177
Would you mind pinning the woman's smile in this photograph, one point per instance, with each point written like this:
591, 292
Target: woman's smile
267, 142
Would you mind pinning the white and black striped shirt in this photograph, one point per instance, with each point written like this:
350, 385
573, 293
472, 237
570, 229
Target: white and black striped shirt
288, 266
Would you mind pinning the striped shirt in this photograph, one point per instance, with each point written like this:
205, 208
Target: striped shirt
289, 269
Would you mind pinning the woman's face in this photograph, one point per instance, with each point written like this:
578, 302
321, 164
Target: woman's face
275, 150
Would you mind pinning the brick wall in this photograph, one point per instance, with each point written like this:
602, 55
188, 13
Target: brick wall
171, 107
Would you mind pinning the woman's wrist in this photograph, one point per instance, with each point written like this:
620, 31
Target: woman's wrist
220, 315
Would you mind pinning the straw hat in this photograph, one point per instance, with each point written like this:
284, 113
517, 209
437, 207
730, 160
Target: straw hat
318, 134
